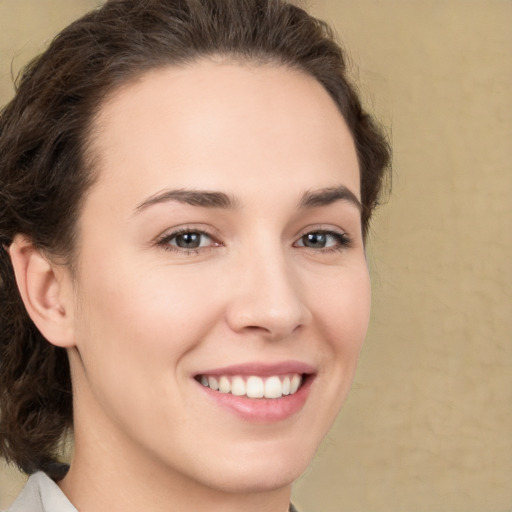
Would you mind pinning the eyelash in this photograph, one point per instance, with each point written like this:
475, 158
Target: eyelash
165, 240
342, 241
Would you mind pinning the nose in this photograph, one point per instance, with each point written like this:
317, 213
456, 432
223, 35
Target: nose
267, 297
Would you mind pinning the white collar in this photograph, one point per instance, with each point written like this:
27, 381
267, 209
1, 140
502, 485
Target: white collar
41, 494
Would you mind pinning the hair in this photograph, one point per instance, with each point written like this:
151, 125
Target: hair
46, 168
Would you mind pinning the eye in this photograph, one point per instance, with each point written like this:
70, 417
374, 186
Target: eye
187, 240
321, 240
190, 240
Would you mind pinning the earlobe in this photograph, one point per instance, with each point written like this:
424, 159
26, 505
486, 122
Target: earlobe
45, 290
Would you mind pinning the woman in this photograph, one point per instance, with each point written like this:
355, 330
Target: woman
186, 187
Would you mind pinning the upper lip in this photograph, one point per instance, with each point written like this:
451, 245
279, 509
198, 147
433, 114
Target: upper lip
262, 369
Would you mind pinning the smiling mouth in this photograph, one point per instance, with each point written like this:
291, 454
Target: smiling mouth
273, 386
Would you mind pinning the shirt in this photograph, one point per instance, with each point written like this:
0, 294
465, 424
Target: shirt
41, 494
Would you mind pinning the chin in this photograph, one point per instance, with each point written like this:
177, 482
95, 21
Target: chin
263, 478
264, 471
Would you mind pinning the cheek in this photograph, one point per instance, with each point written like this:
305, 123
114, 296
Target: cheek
152, 305
136, 326
344, 307
342, 314
134, 333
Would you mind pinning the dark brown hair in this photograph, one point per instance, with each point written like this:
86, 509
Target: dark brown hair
45, 169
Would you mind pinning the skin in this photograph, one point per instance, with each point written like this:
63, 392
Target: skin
142, 316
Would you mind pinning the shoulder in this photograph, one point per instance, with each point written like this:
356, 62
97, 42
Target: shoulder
41, 494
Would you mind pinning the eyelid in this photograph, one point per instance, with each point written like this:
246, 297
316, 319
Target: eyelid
322, 228
188, 228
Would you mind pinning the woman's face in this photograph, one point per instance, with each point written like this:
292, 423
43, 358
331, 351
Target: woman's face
220, 246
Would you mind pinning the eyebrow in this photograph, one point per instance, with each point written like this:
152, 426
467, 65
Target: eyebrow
211, 199
327, 196
202, 198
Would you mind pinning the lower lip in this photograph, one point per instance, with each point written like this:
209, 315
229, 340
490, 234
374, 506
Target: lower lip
262, 410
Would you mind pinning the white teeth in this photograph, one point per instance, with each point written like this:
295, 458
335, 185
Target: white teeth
238, 386
273, 387
213, 383
224, 385
295, 383
254, 387
286, 385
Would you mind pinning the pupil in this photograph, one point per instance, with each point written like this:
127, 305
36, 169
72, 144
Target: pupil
189, 241
316, 240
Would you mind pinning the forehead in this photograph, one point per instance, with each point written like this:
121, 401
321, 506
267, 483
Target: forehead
218, 124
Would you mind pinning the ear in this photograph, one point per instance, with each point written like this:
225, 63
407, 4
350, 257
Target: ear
46, 290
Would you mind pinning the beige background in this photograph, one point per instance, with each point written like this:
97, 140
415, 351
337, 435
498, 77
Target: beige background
428, 425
